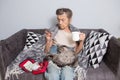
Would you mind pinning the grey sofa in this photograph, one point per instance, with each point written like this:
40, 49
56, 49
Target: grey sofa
109, 68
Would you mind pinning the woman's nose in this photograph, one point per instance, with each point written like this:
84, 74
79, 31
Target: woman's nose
60, 22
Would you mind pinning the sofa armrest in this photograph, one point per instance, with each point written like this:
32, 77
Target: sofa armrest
112, 57
1, 62
12, 46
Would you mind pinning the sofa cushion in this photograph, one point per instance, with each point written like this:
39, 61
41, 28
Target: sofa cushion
101, 73
27, 76
31, 39
95, 47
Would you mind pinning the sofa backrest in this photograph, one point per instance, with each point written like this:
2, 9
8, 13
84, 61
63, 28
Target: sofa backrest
15, 43
86, 31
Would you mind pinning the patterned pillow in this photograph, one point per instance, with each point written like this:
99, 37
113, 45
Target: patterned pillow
95, 47
31, 39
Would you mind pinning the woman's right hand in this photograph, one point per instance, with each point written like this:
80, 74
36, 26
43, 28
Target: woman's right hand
49, 40
48, 35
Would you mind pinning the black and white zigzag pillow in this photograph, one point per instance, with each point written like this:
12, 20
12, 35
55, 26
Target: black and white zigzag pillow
31, 39
95, 47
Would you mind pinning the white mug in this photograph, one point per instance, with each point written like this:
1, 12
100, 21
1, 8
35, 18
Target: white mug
76, 36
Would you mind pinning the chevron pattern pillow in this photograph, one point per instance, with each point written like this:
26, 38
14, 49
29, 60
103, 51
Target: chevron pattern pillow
31, 39
95, 47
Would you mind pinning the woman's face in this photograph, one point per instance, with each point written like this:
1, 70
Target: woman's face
63, 21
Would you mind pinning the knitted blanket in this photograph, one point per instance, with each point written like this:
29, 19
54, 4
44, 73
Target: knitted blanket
37, 53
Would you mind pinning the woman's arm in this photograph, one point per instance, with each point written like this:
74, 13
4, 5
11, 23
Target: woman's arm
49, 41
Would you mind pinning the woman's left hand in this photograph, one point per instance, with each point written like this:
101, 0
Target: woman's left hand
82, 36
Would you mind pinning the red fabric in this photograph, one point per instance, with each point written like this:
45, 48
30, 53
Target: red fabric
24, 62
40, 70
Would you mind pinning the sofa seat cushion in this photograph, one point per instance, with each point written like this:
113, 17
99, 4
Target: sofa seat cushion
101, 73
27, 76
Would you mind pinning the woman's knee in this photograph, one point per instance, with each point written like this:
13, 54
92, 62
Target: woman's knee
53, 68
53, 72
67, 73
52, 76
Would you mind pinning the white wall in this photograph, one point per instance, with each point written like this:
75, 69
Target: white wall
18, 14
